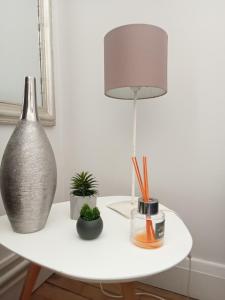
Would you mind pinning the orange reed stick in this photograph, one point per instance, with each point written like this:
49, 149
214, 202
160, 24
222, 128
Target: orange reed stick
149, 230
145, 171
149, 227
134, 160
145, 178
148, 221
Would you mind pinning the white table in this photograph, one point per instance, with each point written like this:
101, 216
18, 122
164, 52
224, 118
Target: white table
110, 258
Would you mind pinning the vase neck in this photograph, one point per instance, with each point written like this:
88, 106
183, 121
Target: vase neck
29, 111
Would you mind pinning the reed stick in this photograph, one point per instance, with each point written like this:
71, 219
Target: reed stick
138, 174
145, 171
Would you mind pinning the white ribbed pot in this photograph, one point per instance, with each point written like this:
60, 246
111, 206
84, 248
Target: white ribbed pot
77, 202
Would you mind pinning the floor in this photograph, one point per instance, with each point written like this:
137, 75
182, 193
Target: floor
61, 288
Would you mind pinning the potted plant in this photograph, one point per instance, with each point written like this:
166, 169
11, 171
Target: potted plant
83, 190
89, 224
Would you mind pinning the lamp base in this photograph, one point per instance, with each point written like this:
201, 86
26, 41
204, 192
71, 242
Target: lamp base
124, 208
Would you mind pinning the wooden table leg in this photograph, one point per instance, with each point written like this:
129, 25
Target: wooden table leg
128, 290
32, 274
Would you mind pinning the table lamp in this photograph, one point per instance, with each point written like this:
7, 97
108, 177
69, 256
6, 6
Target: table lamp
135, 65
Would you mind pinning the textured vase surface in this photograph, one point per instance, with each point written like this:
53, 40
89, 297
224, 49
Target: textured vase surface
28, 169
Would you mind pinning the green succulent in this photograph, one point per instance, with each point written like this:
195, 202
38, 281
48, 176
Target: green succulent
89, 214
84, 184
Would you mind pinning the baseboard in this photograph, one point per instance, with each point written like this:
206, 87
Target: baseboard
207, 279
11, 268
12, 273
6, 261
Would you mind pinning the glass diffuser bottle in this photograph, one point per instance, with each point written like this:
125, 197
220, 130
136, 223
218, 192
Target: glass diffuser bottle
147, 224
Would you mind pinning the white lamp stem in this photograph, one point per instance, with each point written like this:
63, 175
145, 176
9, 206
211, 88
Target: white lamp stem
135, 91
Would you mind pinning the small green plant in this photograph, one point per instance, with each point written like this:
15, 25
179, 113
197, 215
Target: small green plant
89, 214
84, 184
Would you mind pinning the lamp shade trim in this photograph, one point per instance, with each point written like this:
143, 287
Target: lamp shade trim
142, 94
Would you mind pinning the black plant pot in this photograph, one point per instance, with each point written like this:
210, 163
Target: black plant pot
89, 230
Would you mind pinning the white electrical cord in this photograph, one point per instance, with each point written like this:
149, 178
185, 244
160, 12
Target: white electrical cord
109, 294
189, 277
152, 295
120, 297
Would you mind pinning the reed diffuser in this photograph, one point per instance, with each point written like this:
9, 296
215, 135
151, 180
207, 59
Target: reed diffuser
147, 230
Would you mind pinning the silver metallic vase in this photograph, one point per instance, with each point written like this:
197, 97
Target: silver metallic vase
28, 169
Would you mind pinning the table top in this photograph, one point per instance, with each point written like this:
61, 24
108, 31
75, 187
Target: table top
110, 258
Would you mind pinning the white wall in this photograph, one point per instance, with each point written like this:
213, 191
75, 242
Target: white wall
181, 132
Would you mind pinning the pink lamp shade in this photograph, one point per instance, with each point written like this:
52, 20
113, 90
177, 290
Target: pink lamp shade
135, 56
